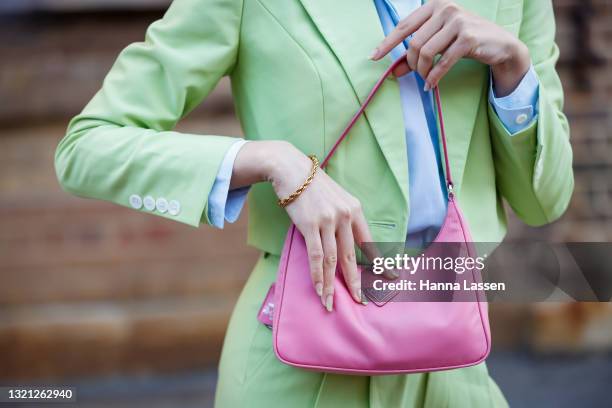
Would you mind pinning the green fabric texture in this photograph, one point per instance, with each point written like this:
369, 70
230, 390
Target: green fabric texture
299, 70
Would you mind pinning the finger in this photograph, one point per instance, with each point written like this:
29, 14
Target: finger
437, 44
404, 28
402, 69
421, 37
348, 262
391, 274
315, 258
449, 58
330, 252
363, 237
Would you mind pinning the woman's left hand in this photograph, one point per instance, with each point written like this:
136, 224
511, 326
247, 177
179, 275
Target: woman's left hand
442, 27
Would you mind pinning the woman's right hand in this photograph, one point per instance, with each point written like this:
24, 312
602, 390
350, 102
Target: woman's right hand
329, 218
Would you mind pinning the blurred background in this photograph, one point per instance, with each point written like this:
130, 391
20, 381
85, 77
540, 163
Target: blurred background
123, 306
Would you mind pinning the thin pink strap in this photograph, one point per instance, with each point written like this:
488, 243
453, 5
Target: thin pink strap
362, 108
449, 179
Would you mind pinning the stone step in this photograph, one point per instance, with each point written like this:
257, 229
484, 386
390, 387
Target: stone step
76, 339
579, 327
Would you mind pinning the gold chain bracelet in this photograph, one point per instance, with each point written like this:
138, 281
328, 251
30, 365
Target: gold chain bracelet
286, 201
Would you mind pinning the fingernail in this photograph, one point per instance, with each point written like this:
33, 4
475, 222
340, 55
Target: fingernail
357, 295
329, 303
364, 300
427, 87
373, 54
391, 274
319, 289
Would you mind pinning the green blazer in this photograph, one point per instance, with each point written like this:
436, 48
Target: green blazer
299, 69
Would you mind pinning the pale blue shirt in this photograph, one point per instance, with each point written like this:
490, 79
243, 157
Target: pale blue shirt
225, 204
426, 183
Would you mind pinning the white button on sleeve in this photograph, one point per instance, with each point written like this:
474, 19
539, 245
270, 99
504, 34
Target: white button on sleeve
520, 119
149, 203
162, 205
519, 109
174, 207
136, 201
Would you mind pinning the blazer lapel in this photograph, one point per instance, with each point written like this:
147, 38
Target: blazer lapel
352, 29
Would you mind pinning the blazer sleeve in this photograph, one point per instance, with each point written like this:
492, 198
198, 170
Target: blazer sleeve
534, 167
121, 147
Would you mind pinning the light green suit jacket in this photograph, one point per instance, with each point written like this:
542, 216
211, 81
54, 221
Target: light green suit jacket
299, 70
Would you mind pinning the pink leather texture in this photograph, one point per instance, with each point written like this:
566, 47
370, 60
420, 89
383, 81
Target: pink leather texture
385, 338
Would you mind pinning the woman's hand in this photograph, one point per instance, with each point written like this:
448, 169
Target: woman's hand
442, 27
329, 218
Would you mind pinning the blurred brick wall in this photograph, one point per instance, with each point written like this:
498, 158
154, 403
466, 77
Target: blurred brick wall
88, 287
584, 34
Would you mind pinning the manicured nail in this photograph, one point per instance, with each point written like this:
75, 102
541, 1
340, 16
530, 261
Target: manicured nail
427, 87
391, 274
319, 289
329, 303
364, 300
374, 54
357, 295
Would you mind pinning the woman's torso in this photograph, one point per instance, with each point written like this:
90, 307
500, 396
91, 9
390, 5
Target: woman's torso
302, 72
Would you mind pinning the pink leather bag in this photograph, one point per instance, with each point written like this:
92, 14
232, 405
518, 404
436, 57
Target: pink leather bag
382, 337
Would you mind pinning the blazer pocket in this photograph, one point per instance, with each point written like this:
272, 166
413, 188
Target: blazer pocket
382, 224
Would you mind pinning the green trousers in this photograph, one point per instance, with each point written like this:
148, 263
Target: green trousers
250, 376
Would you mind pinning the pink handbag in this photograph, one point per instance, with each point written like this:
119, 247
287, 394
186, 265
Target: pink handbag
382, 337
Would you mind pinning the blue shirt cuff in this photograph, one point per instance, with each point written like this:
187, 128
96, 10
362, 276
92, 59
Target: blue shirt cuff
223, 204
519, 109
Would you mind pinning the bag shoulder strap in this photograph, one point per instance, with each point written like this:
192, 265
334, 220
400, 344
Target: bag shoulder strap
347, 129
